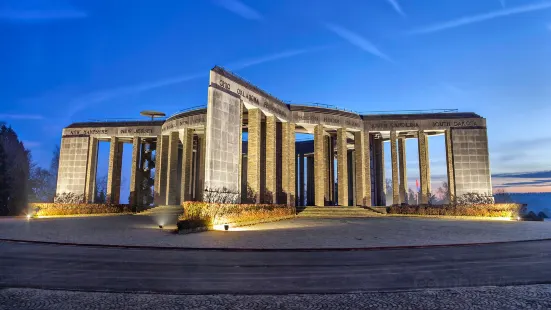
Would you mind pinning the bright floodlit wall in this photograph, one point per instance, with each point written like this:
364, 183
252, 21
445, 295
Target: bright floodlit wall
199, 154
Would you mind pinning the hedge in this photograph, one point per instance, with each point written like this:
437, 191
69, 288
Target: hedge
54, 209
511, 210
211, 214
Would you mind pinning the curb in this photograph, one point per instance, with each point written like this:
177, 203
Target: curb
173, 248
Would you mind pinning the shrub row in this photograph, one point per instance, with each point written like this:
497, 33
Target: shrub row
218, 214
53, 209
483, 210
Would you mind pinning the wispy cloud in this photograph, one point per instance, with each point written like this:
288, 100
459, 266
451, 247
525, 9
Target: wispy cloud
21, 116
28, 143
357, 40
467, 20
84, 101
40, 15
502, 3
260, 60
396, 6
239, 8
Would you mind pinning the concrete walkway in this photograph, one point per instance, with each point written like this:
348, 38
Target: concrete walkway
295, 233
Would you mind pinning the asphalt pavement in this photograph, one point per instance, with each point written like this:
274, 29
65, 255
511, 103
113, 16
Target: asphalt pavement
43, 266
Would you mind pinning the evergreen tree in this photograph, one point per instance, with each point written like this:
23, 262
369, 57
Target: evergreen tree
17, 166
4, 183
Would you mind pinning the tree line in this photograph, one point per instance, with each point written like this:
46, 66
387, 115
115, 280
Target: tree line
22, 180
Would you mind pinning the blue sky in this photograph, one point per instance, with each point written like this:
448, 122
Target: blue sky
63, 61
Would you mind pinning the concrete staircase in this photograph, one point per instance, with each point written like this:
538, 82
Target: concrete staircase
335, 212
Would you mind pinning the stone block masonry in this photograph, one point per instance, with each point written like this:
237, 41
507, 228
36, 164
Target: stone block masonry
200, 150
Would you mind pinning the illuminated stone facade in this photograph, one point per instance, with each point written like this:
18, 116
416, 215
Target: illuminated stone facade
197, 153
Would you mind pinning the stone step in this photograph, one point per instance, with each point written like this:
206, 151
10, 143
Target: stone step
335, 211
163, 210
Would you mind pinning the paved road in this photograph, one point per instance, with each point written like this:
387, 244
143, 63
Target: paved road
203, 272
483, 298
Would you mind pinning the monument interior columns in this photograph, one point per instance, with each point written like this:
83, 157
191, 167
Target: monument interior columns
423, 167
135, 173
320, 170
342, 167
271, 171
403, 170
253, 154
91, 171
186, 181
450, 166
173, 185
394, 162
114, 172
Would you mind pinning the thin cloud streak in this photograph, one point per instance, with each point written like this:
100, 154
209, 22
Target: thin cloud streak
239, 8
396, 6
261, 60
102, 95
482, 17
41, 15
357, 40
502, 3
21, 116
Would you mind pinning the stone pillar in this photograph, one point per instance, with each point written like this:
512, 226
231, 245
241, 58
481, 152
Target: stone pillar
114, 172
450, 166
331, 170
403, 170
310, 184
187, 160
320, 169
362, 175
379, 163
161, 161
342, 167
351, 178
91, 171
253, 155
200, 155
172, 186
271, 173
301, 179
394, 161
135, 173
288, 162
423, 167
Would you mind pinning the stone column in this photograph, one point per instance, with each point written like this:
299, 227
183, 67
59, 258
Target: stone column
320, 169
351, 178
379, 163
423, 167
450, 166
91, 171
331, 169
342, 167
289, 162
403, 170
200, 162
114, 172
172, 186
363, 196
310, 184
161, 162
135, 173
253, 155
301, 177
187, 160
394, 161
271, 165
